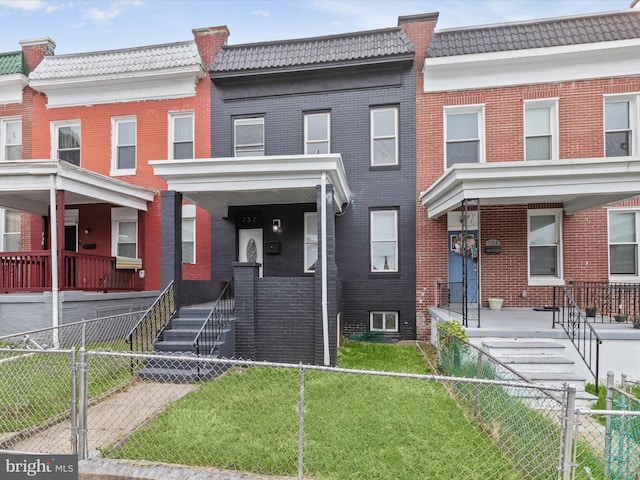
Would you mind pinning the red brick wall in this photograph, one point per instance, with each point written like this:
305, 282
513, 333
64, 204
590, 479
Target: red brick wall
581, 135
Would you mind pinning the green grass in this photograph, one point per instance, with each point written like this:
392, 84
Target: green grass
356, 426
36, 387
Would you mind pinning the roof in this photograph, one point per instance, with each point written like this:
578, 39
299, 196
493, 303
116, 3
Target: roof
552, 32
13, 62
336, 50
118, 62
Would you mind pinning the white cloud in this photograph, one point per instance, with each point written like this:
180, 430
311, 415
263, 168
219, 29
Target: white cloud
102, 16
31, 5
261, 13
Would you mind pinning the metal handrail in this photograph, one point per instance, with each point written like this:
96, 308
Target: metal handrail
581, 338
154, 321
212, 328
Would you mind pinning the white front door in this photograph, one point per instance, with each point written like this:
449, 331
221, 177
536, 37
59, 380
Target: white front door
250, 246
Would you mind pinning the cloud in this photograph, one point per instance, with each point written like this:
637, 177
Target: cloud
102, 16
261, 13
32, 5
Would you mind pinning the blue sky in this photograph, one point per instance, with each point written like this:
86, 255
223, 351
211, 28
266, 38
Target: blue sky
91, 25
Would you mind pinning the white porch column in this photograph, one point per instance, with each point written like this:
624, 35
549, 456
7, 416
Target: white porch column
55, 287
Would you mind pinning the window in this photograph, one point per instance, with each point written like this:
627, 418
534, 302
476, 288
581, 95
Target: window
10, 230
181, 135
464, 134
384, 241
188, 234
384, 321
124, 145
124, 228
540, 130
310, 241
623, 243
619, 122
66, 142
249, 136
11, 139
384, 136
545, 246
316, 133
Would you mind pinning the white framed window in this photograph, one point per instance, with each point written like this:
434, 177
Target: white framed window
181, 136
310, 241
621, 120
11, 138
384, 136
123, 155
623, 244
248, 134
66, 141
124, 231
541, 130
383, 321
545, 246
317, 128
188, 234
10, 230
384, 240
464, 134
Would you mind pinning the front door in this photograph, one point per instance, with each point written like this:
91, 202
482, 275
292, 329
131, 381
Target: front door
456, 293
250, 246
70, 245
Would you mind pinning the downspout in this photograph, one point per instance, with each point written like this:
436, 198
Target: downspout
323, 224
53, 225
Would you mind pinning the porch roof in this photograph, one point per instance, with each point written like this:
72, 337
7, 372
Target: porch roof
578, 184
25, 185
218, 183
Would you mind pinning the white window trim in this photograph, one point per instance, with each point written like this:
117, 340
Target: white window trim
3, 233
383, 329
541, 280
256, 120
395, 136
172, 117
623, 278
552, 103
634, 120
55, 126
122, 214
115, 171
461, 109
189, 213
307, 215
372, 213
308, 142
4, 121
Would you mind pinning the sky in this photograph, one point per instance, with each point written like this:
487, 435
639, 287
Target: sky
94, 25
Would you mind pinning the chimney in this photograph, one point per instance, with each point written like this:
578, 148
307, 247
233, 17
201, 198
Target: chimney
209, 41
419, 28
35, 50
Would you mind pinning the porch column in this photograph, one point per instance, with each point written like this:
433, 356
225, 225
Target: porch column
330, 300
171, 242
60, 236
245, 275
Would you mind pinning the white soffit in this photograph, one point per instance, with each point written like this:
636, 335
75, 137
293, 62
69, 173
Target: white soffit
217, 183
578, 184
11, 87
536, 65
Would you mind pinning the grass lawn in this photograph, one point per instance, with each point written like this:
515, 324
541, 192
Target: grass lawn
356, 426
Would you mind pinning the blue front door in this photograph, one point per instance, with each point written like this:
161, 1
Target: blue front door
456, 292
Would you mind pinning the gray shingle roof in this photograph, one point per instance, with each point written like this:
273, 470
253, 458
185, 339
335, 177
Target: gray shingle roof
553, 32
118, 62
13, 62
309, 52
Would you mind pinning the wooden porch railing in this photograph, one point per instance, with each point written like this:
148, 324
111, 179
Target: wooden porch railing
31, 272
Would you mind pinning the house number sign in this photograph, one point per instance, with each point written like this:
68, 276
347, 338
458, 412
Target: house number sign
492, 246
249, 219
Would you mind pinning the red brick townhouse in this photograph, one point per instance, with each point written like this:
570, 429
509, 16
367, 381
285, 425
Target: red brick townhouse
528, 160
88, 124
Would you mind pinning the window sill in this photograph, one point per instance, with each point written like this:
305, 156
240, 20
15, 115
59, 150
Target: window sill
545, 282
122, 173
624, 279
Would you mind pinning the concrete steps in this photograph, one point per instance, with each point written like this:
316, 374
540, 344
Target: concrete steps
540, 361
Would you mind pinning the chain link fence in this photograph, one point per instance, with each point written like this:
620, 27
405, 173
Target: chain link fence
308, 421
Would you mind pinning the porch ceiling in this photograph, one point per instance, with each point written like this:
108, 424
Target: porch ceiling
218, 183
578, 184
25, 185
